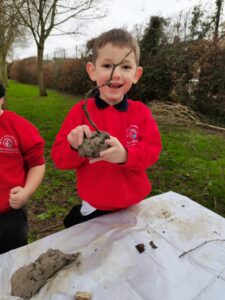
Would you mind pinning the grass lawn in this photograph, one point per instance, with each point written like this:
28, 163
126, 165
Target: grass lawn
192, 162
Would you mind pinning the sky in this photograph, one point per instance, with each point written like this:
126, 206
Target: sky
120, 13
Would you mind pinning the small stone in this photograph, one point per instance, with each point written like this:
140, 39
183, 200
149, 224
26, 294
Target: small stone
82, 296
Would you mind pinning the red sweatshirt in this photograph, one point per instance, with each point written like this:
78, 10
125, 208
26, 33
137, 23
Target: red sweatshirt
21, 148
104, 185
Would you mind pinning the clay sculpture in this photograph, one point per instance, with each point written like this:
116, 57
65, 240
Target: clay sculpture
27, 280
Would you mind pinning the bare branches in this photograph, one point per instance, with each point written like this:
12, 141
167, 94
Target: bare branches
10, 31
43, 18
179, 114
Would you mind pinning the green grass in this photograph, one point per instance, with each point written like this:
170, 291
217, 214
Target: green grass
192, 162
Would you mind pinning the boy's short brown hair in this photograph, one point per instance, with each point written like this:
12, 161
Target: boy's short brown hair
117, 37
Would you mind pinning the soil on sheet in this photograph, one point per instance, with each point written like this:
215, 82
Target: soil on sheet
152, 244
140, 247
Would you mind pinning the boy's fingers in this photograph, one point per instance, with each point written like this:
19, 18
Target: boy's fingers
79, 132
15, 190
80, 137
87, 131
106, 152
93, 160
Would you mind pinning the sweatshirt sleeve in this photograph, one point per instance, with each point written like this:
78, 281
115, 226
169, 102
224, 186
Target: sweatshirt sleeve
63, 156
31, 143
146, 152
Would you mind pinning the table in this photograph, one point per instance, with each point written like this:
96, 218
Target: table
188, 263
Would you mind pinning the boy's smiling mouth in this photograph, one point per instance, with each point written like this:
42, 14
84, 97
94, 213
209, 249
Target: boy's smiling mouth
115, 85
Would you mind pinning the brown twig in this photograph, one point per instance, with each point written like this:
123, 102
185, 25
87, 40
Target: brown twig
214, 240
91, 91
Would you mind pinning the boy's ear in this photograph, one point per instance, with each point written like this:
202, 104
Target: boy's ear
90, 68
138, 74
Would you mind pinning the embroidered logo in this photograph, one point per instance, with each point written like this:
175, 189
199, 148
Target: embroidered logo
132, 135
8, 144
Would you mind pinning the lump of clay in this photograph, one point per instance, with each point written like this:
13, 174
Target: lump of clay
27, 280
93, 146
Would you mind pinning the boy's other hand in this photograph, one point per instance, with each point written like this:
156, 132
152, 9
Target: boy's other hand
115, 154
76, 135
18, 197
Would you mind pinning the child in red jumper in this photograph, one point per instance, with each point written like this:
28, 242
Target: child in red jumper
117, 179
22, 169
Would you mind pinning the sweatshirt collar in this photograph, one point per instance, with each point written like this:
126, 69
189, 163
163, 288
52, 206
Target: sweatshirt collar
121, 106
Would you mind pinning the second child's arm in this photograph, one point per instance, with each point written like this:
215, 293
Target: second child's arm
20, 195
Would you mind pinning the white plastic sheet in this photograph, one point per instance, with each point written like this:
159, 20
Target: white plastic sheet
112, 268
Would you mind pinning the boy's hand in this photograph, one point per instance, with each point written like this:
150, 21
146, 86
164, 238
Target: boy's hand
76, 135
18, 197
115, 154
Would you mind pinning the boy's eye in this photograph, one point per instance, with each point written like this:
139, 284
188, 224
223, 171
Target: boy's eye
126, 67
107, 66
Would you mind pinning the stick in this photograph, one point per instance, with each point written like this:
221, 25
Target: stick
215, 240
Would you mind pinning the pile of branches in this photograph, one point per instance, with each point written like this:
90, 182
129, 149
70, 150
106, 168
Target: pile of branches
178, 114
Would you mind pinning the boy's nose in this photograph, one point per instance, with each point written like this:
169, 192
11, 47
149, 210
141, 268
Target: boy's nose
116, 72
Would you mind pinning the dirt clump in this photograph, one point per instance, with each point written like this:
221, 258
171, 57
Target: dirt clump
140, 247
93, 146
27, 280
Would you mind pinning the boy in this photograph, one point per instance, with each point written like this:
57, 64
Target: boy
21, 172
117, 178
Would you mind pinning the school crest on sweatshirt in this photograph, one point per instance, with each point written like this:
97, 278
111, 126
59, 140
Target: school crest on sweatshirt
8, 144
132, 135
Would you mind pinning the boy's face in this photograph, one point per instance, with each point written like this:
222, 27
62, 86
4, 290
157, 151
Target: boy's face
124, 75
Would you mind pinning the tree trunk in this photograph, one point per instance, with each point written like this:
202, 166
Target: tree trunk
219, 4
40, 69
3, 71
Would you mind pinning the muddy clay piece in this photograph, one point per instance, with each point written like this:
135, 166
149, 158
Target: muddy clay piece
152, 244
93, 146
27, 280
82, 296
140, 247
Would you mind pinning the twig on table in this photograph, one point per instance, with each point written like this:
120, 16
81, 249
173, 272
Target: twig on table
215, 240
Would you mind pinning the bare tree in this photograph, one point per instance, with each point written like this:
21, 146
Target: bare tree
219, 6
46, 17
10, 32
